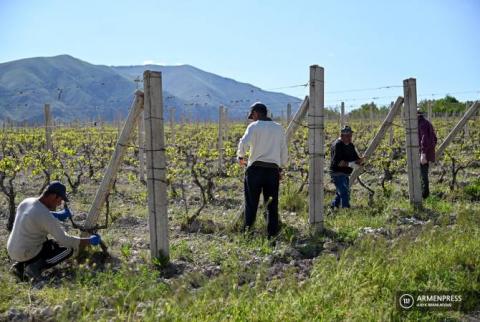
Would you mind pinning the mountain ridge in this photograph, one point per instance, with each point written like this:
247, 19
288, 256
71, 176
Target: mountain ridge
79, 90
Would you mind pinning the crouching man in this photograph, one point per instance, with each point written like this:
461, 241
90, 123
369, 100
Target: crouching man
35, 219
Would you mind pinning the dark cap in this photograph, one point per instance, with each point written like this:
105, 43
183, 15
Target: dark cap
57, 188
346, 130
257, 107
419, 111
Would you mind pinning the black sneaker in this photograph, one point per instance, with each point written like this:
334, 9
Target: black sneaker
18, 269
33, 271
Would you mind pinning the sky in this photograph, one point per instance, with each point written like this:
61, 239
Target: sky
363, 45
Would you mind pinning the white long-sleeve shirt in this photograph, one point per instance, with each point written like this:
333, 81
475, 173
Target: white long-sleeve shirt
266, 142
33, 223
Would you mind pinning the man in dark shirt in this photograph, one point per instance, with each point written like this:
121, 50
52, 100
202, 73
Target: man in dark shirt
427, 141
344, 158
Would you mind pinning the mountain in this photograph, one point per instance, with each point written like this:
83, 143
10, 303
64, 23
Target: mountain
79, 90
203, 92
75, 89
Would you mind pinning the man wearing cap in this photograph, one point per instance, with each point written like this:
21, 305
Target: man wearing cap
265, 140
344, 158
35, 219
427, 141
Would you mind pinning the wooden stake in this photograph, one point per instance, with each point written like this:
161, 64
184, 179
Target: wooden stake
413, 151
141, 148
226, 124
48, 127
297, 120
342, 115
390, 138
172, 123
371, 113
182, 122
115, 161
156, 165
289, 113
387, 123
220, 137
429, 111
466, 131
316, 139
468, 114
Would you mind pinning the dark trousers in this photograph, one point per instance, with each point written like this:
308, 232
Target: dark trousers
258, 180
425, 183
51, 254
342, 196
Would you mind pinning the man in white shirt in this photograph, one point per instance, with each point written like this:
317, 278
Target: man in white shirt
35, 220
266, 143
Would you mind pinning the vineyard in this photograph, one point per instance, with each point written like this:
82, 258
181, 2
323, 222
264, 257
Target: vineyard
352, 271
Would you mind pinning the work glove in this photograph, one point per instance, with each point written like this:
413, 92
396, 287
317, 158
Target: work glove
353, 165
423, 158
62, 215
95, 240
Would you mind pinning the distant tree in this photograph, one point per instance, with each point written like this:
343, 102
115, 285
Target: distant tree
364, 110
448, 105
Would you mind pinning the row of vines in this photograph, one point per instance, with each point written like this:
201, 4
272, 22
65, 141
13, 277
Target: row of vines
195, 180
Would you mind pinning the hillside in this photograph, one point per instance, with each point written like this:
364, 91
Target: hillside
203, 90
75, 89
83, 91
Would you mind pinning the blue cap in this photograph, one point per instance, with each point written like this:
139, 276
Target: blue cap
58, 188
346, 130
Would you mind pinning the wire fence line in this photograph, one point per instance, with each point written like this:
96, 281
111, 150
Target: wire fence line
56, 90
115, 128
242, 105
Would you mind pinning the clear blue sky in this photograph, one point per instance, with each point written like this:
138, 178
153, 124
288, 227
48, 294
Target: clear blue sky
361, 44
